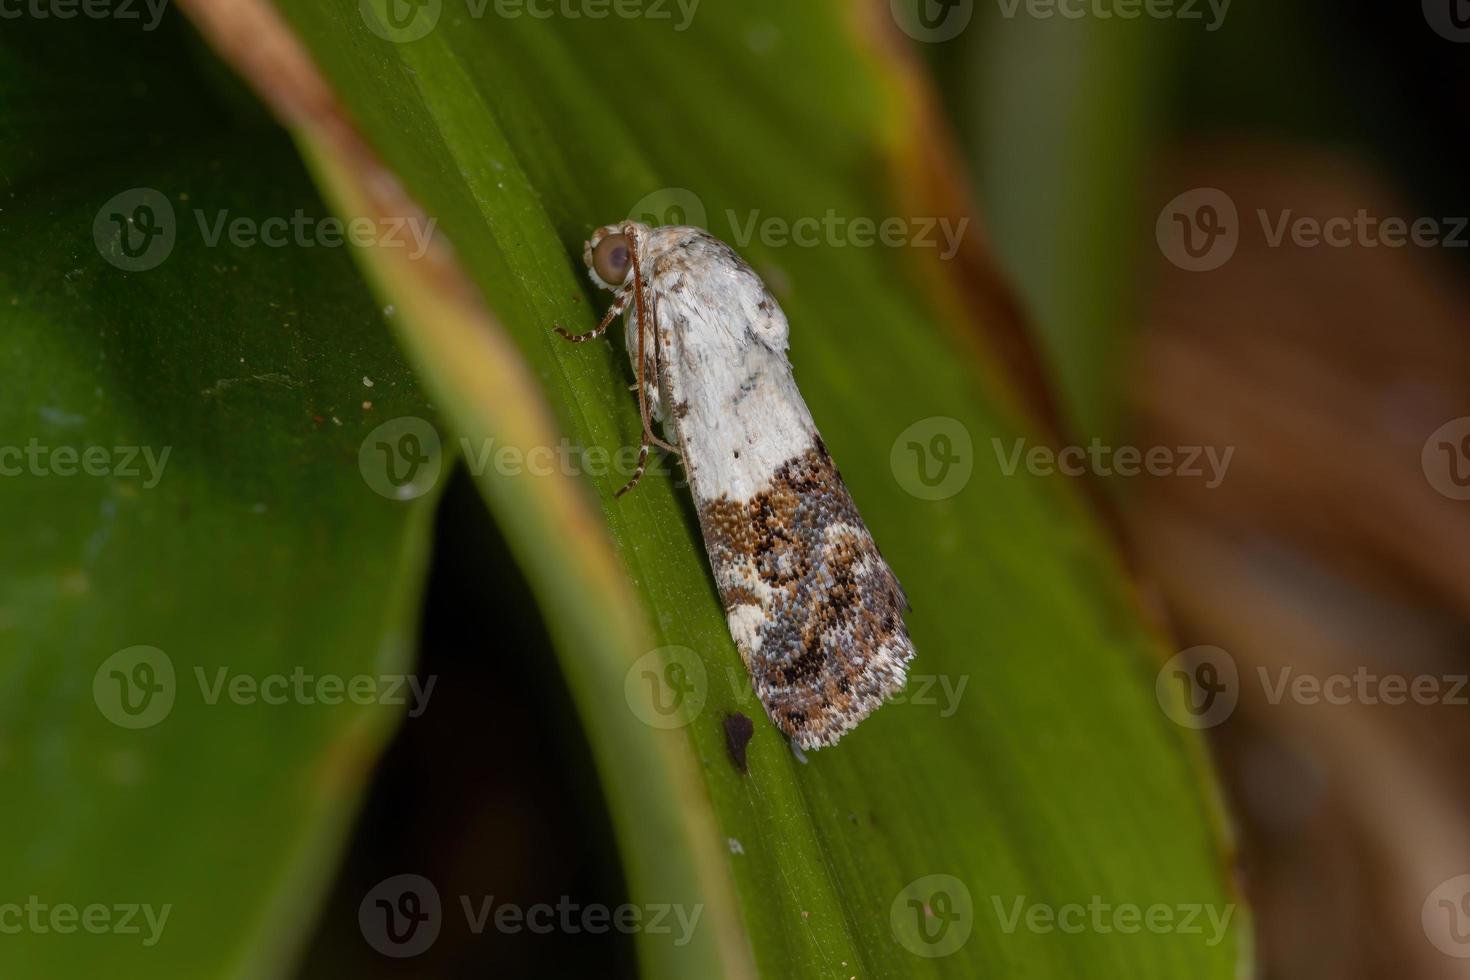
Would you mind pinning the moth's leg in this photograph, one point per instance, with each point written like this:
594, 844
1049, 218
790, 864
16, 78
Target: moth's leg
650, 396
651, 373
620, 303
649, 405
638, 470
640, 285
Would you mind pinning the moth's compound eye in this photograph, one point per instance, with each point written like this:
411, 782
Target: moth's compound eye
612, 259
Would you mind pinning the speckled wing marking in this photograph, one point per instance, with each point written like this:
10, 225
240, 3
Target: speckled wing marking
815, 611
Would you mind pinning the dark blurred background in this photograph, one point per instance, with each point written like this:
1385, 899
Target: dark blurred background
1332, 547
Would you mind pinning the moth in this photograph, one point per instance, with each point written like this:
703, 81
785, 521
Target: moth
814, 610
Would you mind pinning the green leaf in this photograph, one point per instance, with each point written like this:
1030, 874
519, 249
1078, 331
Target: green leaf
225, 526
1058, 160
1054, 778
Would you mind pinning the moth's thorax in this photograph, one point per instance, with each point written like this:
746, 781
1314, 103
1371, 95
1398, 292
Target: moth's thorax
727, 390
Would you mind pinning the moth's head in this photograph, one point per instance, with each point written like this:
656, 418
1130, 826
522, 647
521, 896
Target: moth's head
609, 254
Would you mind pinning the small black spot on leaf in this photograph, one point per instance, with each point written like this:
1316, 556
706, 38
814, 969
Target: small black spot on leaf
738, 730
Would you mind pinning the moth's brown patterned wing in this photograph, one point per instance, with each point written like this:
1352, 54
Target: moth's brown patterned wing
814, 609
